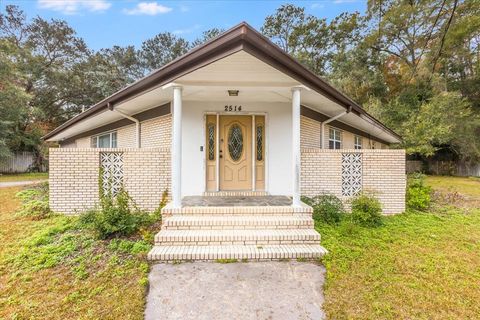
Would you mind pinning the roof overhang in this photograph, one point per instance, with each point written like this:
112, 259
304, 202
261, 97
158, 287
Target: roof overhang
241, 38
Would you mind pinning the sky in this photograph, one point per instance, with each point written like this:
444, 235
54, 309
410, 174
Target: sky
104, 23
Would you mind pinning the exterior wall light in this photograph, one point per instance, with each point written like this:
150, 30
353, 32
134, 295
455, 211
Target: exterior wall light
233, 93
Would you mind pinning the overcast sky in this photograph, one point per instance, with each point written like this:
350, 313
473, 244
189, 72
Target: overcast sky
104, 23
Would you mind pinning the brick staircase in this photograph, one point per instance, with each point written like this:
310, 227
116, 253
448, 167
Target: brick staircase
236, 232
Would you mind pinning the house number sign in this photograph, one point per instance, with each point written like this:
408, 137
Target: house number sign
230, 108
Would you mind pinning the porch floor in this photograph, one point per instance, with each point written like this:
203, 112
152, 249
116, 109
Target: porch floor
236, 201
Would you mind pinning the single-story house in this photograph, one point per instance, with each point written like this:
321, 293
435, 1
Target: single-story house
235, 131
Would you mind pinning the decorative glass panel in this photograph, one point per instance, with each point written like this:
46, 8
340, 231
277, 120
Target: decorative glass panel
235, 142
351, 174
259, 143
211, 141
111, 164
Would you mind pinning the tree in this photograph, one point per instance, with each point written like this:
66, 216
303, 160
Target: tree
206, 36
447, 119
13, 98
108, 71
161, 49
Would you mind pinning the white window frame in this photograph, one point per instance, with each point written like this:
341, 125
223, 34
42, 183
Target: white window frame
357, 142
94, 139
337, 138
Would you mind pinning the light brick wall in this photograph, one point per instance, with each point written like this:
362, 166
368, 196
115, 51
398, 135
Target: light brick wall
154, 133
127, 137
157, 132
309, 133
74, 174
81, 143
383, 174
310, 136
147, 175
73, 179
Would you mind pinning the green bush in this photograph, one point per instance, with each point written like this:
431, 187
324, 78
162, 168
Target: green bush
366, 211
116, 216
418, 194
326, 207
35, 202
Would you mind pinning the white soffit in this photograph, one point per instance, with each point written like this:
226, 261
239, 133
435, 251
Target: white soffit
93, 122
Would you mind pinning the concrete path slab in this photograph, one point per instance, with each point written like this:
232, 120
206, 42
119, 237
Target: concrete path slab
252, 290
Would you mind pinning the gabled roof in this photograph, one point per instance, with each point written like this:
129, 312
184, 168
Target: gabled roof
241, 37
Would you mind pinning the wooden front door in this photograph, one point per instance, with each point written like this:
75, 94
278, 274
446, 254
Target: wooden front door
235, 149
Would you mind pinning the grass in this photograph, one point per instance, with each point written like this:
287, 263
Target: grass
23, 176
49, 269
415, 266
467, 186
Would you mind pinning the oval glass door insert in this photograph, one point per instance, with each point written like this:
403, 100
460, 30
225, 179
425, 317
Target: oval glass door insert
235, 142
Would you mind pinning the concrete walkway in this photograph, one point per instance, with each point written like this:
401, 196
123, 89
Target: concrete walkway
252, 290
9, 184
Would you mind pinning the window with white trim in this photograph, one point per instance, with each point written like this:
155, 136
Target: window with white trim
334, 139
105, 140
357, 142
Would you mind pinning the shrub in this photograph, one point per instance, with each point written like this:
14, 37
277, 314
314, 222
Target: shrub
35, 202
366, 211
418, 194
326, 207
116, 216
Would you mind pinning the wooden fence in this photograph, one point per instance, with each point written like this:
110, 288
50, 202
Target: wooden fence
18, 163
454, 168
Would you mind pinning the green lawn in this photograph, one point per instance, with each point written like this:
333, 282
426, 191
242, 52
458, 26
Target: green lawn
416, 266
51, 270
467, 186
23, 176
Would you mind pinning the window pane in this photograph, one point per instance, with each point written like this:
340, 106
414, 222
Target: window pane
114, 139
332, 134
337, 145
331, 144
104, 141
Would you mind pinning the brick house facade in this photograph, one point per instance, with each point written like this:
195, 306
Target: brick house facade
236, 119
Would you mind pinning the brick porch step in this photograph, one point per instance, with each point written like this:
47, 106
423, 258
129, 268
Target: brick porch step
238, 210
186, 222
237, 237
240, 252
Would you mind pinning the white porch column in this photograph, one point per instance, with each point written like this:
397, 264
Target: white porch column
176, 155
296, 145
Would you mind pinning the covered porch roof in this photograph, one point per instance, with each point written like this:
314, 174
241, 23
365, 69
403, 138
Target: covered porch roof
240, 59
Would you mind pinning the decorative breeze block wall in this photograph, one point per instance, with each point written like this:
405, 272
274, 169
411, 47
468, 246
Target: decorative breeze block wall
74, 176
111, 164
345, 173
